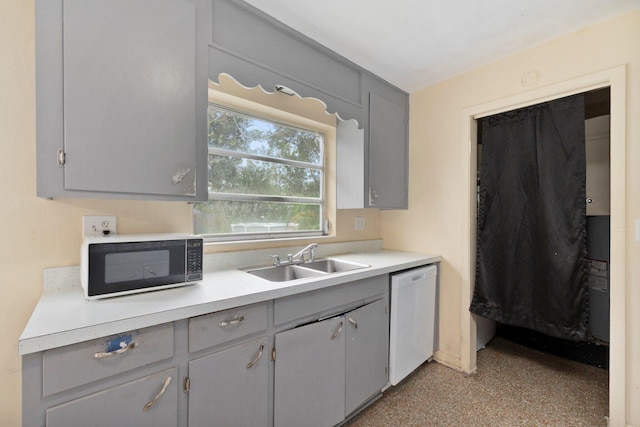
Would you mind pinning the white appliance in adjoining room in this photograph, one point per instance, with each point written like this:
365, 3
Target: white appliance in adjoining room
413, 308
485, 331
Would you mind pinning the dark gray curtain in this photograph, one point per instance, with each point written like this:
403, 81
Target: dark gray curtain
531, 269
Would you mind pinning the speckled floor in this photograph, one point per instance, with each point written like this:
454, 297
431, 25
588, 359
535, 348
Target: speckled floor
513, 386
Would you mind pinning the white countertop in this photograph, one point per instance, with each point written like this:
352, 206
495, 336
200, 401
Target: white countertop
63, 316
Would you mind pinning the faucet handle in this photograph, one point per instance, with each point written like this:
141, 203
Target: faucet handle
276, 260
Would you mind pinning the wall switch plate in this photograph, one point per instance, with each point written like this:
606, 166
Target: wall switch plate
359, 223
96, 226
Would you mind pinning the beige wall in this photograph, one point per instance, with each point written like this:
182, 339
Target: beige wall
37, 233
437, 220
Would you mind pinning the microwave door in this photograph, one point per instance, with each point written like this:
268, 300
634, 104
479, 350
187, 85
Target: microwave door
123, 267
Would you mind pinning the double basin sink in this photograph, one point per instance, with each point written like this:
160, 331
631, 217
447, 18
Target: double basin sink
284, 273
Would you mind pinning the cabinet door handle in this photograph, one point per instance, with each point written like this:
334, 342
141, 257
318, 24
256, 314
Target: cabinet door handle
338, 330
373, 196
149, 404
231, 322
353, 322
101, 355
254, 361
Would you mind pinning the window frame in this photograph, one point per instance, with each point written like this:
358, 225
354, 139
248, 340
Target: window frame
242, 197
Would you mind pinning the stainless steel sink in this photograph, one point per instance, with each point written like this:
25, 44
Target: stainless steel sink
331, 265
285, 273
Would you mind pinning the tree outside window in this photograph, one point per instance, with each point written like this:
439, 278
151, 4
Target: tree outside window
265, 178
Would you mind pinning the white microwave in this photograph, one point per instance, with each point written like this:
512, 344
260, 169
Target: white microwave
127, 264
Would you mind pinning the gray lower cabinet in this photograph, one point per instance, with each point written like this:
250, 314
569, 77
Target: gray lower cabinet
326, 370
367, 353
308, 359
230, 388
310, 375
151, 401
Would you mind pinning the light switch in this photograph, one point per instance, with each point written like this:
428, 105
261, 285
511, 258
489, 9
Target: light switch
359, 223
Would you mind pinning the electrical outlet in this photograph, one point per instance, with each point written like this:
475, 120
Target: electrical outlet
95, 226
359, 223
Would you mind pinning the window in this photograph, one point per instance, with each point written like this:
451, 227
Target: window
266, 179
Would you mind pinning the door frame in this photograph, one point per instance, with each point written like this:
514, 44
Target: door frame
615, 78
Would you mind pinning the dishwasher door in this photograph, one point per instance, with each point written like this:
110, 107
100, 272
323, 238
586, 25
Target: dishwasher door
413, 305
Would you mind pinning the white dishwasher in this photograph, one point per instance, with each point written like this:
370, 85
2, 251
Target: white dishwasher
413, 305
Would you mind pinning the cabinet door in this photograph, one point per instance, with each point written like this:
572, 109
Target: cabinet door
129, 95
229, 388
121, 99
388, 146
151, 401
310, 375
367, 353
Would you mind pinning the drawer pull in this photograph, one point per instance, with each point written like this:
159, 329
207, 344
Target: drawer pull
149, 404
353, 322
254, 361
122, 349
335, 335
231, 322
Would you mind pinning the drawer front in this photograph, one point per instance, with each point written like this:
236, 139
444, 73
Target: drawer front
216, 328
317, 302
151, 401
82, 363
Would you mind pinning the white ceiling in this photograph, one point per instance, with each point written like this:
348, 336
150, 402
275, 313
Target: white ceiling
415, 43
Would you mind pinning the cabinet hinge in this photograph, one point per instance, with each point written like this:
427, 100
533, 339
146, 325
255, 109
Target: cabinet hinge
386, 310
187, 385
60, 157
386, 370
273, 354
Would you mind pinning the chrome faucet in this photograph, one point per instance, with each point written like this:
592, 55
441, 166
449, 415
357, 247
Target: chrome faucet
300, 255
306, 250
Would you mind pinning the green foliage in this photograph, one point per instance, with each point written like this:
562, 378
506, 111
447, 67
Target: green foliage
237, 174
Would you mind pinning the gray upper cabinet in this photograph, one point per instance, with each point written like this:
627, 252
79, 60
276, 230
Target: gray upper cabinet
121, 98
387, 154
387, 145
286, 57
282, 57
372, 163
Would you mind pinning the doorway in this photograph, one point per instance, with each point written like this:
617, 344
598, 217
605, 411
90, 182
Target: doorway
615, 78
582, 292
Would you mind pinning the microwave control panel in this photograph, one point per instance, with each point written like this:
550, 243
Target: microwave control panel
194, 259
